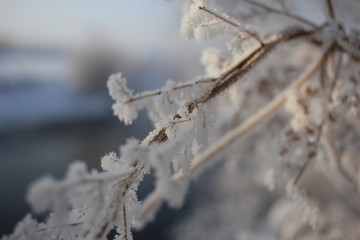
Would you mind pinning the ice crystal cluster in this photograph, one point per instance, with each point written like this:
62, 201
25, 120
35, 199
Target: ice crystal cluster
282, 111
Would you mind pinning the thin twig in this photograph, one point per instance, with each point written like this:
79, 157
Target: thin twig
151, 202
323, 73
330, 9
231, 75
125, 222
218, 16
336, 74
253, 35
195, 83
310, 157
153, 94
287, 14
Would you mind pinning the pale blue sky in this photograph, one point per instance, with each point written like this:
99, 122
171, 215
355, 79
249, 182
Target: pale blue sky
69, 23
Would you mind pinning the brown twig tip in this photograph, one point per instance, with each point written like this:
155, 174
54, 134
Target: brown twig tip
330, 8
160, 136
125, 222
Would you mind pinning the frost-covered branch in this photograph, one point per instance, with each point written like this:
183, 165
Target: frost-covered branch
156, 93
198, 121
204, 157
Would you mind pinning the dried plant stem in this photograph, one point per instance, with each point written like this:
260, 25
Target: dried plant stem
304, 166
230, 137
151, 202
246, 64
330, 9
125, 236
251, 34
156, 93
235, 72
322, 78
335, 72
252, 121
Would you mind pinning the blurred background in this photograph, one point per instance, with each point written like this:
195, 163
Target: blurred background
55, 58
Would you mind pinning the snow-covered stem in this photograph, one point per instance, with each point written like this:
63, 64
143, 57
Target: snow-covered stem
204, 157
246, 64
251, 34
335, 72
255, 119
330, 9
197, 120
156, 93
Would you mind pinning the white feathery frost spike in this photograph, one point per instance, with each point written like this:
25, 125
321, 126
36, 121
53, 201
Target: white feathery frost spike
110, 162
118, 90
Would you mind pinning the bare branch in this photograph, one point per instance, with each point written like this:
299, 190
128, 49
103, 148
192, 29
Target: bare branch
330, 9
